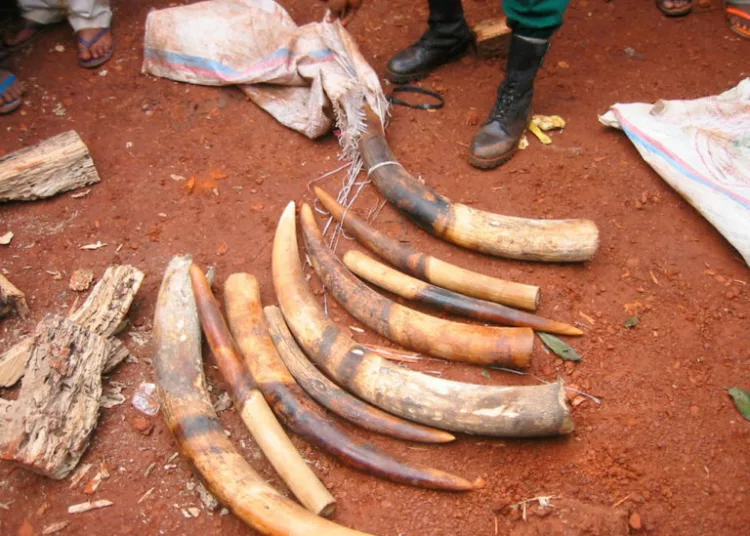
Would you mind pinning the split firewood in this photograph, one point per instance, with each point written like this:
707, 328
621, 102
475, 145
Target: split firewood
55, 165
493, 38
47, 429
103, 313
12, 298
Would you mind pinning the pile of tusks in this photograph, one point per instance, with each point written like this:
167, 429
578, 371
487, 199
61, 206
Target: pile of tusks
292, 361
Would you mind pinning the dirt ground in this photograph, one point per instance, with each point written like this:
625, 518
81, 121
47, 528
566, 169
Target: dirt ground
664, 450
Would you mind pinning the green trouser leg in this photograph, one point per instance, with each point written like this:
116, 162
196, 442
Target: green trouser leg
535, 18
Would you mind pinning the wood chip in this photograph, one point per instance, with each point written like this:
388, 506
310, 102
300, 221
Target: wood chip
98, 245
55, 527
89, 505
13, 362
80, 194
145, 495
93, 484
79, 474
149, 469
81, 279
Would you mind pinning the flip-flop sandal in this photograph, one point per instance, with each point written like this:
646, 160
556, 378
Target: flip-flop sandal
734, 13
95, 62
13, 105
675, 11
27, 25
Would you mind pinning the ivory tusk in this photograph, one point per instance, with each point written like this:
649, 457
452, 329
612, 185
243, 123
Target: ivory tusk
410, 288
301, 414
504, 236
479, 345
330, 395
254, 410
429, 268
192, 420
526, 411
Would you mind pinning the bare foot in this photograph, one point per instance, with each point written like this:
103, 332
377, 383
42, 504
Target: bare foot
11, 92
94, 44
20, 33
672, 7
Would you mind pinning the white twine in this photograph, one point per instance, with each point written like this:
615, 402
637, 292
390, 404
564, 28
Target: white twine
381, 164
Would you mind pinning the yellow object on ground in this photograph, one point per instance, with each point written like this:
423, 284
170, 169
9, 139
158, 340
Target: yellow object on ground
543, 123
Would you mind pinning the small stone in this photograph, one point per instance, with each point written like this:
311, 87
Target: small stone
81, 279
6, 238
472, 118
259, 181
142, 425
195, 512
577, 401
635, 521
694, 411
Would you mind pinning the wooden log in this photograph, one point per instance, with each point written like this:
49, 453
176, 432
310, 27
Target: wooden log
333, 397
492, 37
47, 429
467, 343
523, 411
254, 410
12, 298
429, 268
494, 234
300, 414
192, 420
55, 165
445, 300
103, 313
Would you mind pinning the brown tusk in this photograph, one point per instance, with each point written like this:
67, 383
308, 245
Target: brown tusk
429, 268
413, 289
479, 345
504, 236
254, 410
330, 395
526, 411
192, 420
299, 412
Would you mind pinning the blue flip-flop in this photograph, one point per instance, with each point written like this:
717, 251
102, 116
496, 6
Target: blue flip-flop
95, 62
13, 105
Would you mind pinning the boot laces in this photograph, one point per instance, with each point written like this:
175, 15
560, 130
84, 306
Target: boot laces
507, 96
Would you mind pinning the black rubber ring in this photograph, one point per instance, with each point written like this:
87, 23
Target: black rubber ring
420, 105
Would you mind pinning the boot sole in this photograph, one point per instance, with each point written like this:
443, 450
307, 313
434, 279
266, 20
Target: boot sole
491, 163
405, 78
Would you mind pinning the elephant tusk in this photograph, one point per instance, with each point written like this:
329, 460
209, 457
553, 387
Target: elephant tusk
299, 412
192, 420
429, 268
410, 288
504, 236
330, 395
525, 411
254, 410
479, 345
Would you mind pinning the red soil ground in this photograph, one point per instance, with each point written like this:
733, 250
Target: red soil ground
665, 445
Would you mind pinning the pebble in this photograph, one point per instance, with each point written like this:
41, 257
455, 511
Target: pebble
635, 521
694, 411
472, 118
142, 425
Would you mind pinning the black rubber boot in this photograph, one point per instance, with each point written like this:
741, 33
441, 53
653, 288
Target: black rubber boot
447, 39
497, 140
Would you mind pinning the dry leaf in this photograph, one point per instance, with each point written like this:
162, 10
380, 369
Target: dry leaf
189, 185
741, 401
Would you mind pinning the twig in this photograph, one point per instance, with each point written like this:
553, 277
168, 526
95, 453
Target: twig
618, 503
582, 393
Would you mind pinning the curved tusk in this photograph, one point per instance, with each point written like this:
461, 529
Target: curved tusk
526, 411
330, 395
254, 410
429, 268
413, 289
301, 414
192, 420
504, 236
480, 345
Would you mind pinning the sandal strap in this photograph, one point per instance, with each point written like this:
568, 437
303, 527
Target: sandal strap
7, 82
89, 43
738, 13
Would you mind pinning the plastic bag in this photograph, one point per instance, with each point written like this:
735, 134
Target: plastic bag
701, 148
307, 76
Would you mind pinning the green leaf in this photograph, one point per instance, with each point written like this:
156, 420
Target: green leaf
741, 400
486, 373
559, 347
632, 322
